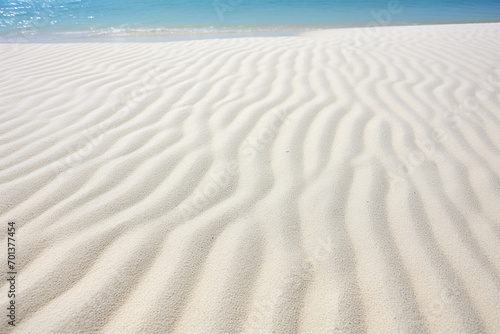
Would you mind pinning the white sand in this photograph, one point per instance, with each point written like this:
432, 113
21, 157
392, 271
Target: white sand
343, 181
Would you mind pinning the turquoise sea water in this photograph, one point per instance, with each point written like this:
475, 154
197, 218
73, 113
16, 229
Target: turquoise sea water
54, 19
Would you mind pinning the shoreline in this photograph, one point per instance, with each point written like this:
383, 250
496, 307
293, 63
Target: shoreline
176, 34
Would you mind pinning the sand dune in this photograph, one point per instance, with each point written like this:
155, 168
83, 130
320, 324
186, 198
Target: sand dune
341, 181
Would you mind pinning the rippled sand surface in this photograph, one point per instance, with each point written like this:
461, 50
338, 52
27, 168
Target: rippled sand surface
343, 181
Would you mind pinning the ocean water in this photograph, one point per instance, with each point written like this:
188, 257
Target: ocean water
53, 19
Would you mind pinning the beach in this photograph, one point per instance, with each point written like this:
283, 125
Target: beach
337, 181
